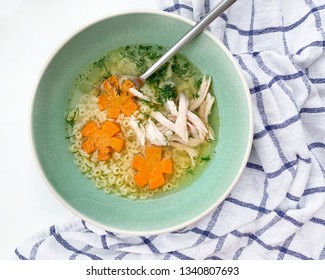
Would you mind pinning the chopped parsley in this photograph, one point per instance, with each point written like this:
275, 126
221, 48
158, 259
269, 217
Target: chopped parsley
182, 69
205, 158
156, 78
167, 92
142, 56
189, 170
72, 117
145, 115
82, 78
198, 83
149, 52
195, 95
101, 64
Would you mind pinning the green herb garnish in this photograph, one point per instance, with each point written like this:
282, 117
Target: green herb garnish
167, 92
142, 56
101, 64
182, 69
72, 117
145, 115
189, 170
156, 78
195, 95
198, 83
206, 158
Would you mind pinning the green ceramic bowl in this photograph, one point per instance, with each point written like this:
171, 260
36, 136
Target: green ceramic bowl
164, 213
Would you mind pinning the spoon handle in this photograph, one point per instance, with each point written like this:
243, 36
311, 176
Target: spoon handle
192, 33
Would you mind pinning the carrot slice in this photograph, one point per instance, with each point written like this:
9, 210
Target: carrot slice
117, 143
166, 166
116, 99
138, 162
88, 146
104, 153
102, 139
102, 102
156, 181
113, 112
153, 152
141, 180
110, 128
129, 107
89, 129
151, 168
114, 81
126, 85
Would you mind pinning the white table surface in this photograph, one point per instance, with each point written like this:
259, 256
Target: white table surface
29, 32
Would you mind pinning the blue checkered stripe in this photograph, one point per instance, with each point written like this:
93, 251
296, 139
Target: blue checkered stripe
277, 209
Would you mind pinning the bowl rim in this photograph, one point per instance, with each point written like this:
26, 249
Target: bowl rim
52, 188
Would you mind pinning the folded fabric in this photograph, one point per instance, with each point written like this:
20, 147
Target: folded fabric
277, 209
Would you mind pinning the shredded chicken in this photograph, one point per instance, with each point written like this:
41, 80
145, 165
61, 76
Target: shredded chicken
139, 94
204, 112
190, 151
192, 129
159, 117
180, 127
154, 136
181, 121
204, 88
191, 142
138, 129
171, 106
197, 122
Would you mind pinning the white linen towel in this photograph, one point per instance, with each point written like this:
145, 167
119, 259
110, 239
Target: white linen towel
277, 209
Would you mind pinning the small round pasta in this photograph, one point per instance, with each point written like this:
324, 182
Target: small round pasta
126, 122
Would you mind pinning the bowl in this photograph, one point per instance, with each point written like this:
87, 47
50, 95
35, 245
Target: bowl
178, 208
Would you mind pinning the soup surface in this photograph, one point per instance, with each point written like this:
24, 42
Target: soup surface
137, 142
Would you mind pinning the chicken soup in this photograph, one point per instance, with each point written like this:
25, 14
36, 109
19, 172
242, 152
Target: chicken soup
136, 142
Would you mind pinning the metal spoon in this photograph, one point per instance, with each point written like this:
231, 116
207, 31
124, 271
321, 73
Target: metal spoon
192, 33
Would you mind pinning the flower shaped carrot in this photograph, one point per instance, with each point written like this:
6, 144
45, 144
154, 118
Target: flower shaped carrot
151, 168
117, 98
102, 139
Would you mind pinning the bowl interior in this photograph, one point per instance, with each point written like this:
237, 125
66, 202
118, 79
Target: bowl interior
165, 213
